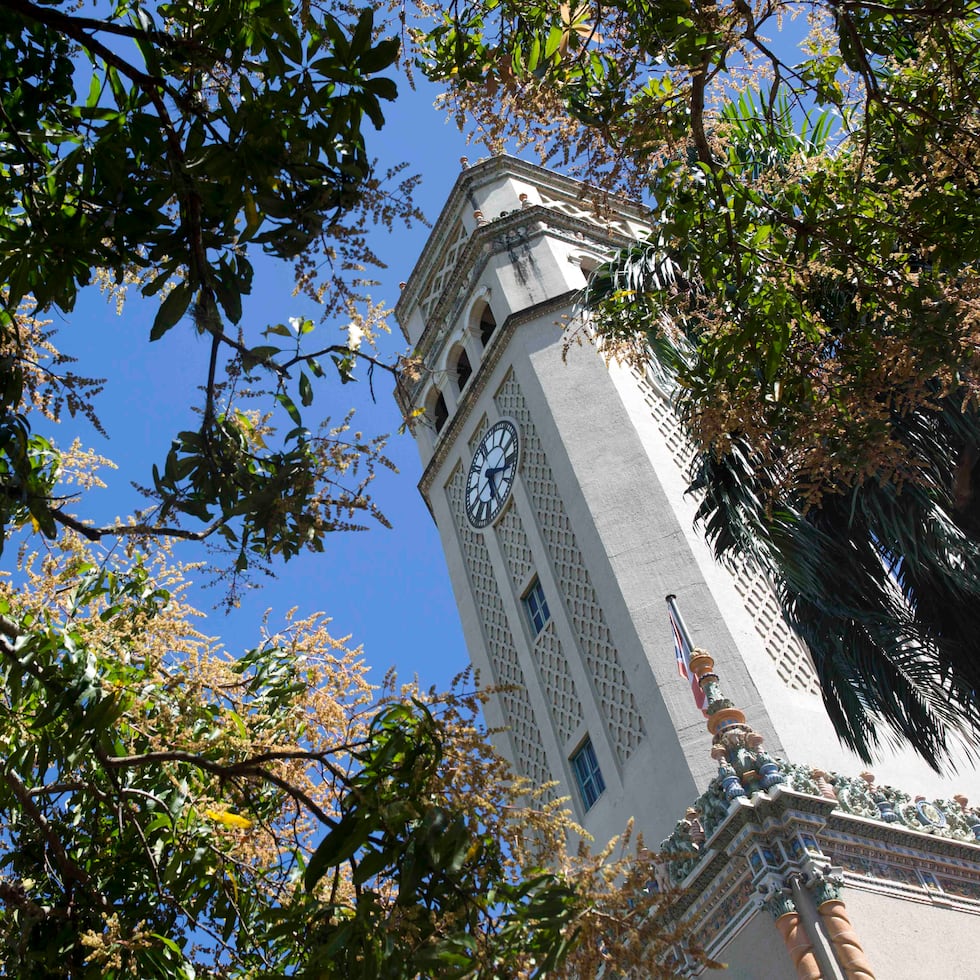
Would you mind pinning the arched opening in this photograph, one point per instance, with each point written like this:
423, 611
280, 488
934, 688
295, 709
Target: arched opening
463, 369
440, 414
487, 325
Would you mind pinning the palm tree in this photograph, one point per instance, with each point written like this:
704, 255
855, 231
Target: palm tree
880, 581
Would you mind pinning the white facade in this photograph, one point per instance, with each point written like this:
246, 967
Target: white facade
597, 517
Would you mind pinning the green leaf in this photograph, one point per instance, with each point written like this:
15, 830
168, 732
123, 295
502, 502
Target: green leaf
259, 355
171, 310
381, 56
290, 406
383, 88
553, 42
305, 390
361, 38
340, 844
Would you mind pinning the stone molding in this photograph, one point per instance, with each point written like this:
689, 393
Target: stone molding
487, 171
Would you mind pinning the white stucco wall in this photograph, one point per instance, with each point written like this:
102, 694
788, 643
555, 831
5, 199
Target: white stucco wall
908, 940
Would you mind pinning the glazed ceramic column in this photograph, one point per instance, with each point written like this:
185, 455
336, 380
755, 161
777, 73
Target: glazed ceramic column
847, 946
826, 891
798, 943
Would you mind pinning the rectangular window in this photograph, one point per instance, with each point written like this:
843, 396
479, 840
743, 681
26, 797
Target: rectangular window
588, 775
536, 606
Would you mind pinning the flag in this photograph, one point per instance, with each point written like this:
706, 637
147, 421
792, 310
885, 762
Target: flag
682, 652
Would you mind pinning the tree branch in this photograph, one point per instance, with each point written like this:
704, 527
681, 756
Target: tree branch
70, 871
940, 11
243, 767
71, 27
297, 794
152, 87
62, 22
247, 767
282, 369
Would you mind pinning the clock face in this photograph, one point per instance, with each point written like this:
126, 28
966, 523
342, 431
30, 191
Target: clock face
492, 473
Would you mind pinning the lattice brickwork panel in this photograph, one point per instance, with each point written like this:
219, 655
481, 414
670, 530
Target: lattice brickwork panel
549, 658
790, 656
457, 239
531, 759
609, 680
556, 679
514, 545
793, 665
477, 435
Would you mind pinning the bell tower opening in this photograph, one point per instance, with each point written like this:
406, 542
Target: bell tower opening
463, 370
440, 413
486, 324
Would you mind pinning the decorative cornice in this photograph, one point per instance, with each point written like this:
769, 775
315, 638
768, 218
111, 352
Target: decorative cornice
900, 835
482, 173
774, 815
694, 868
745, 820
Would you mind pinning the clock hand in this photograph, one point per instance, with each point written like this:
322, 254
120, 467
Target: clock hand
491, 472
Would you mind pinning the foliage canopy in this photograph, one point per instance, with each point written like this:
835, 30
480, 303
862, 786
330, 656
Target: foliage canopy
161, 145
172, 811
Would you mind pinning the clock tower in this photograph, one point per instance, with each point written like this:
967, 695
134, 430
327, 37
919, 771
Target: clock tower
557, 483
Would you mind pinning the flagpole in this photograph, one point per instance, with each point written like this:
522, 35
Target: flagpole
679, 619
683, 648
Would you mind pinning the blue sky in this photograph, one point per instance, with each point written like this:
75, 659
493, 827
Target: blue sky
387, 588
